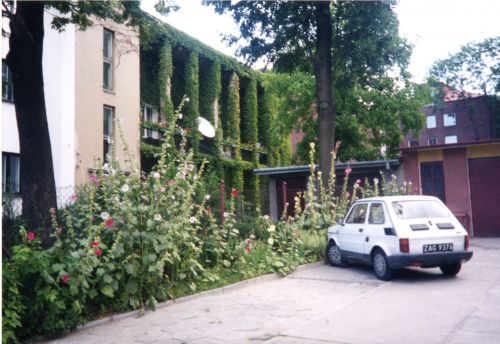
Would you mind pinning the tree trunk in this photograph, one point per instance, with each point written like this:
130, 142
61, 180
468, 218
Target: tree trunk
323, 75
25, 62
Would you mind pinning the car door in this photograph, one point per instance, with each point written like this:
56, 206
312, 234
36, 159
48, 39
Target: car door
351, 238
378, 229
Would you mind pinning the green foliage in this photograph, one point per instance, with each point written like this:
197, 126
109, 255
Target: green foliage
164, 80
191, 79
210, 89
475, 68
249, 112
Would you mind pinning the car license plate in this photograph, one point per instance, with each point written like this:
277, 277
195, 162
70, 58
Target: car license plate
431, 248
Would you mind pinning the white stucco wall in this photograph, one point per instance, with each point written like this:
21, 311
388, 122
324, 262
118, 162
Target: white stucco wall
59, 79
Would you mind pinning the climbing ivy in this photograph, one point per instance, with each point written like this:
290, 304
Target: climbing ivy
191, 79
249, 112
165, 70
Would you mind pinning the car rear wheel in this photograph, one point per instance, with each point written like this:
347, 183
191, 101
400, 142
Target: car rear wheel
380, 266
334, 256
451, 269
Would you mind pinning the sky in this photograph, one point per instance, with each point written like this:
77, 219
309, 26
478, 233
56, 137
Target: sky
436, 28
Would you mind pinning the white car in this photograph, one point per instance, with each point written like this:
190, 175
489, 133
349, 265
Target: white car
393, 232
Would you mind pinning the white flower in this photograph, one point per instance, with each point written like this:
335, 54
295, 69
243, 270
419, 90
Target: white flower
252, 236
192, 220
265, 217
104, 216
187, 99
157, 217
156, 175
207, 197
162, 189
307, 205
180, 115
226, 214
270, 241
375, 181
125, 188
271, 228
173, 198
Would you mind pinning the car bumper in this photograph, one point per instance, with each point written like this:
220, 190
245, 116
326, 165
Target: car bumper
428, 260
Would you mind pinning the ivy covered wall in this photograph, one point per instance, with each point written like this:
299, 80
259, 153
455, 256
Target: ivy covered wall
220, 89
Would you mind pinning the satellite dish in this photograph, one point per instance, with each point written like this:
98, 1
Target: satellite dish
206, 128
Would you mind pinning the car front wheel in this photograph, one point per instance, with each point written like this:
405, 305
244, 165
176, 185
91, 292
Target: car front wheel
334, 256
451, 269
380, 266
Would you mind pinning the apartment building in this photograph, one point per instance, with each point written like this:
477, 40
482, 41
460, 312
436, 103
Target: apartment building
91, 92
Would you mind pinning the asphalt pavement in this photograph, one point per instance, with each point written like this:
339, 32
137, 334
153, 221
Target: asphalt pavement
323, 304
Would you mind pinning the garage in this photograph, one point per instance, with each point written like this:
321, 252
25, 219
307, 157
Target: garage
484, 176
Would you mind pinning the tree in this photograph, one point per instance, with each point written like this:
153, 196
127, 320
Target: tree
283, 31
368, 60
26, 23
475, 68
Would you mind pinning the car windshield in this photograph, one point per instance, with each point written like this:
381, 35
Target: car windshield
419, 209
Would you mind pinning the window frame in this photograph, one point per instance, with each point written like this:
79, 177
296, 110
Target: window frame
108, 60
151, 133
415, 141
429, 141
7, 84
108, 138
370, 219
348, 218
6, 174
450, 136
450, 115
427, 122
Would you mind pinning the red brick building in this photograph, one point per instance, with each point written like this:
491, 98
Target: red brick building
456, 157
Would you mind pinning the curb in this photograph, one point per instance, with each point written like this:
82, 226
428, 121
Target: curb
218, 291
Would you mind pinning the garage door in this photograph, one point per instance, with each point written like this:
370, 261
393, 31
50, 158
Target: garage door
484, 177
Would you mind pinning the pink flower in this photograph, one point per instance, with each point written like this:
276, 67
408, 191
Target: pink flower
73, 197
30, 236
94, 179
348, 171
248, 241
234, 192
347, 194
358, 181
65, 279
171, 182
248, 250
98, 252
110, 222
94, 244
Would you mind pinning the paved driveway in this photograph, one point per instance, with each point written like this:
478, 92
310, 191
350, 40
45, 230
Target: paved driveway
322, 304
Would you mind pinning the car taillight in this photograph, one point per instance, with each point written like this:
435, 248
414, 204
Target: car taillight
466, 242
404, 245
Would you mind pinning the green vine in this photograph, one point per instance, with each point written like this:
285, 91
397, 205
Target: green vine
165, 71
191, 79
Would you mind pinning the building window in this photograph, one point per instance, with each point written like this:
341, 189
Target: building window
107, 52
151, 117
432, 141
108, 132
450, 139
413, 143
10, 173
449, 119
431, 122
7, 87
432, 178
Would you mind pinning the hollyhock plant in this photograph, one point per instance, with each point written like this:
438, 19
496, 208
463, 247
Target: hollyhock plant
94, 179
65, 279
30, 236
110, 222
98, 252
348, 171
235, 192
94, 244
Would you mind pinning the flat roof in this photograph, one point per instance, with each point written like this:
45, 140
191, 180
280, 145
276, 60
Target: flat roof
450, 145
386, 164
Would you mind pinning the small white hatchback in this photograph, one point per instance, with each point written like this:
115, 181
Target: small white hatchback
393, 232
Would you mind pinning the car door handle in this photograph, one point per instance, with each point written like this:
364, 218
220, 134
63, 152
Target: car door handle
361, 230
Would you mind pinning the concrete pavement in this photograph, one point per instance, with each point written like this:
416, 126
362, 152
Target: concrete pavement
322, 304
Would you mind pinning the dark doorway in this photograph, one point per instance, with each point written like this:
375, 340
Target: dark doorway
432, 177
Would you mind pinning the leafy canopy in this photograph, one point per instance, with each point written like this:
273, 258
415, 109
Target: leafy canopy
476, 67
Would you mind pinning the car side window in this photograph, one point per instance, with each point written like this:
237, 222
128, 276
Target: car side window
358, 214
376, 216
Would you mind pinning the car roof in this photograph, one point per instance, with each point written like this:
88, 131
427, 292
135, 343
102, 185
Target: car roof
388, 199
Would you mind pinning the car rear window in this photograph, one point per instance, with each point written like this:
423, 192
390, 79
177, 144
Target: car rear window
419, 209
